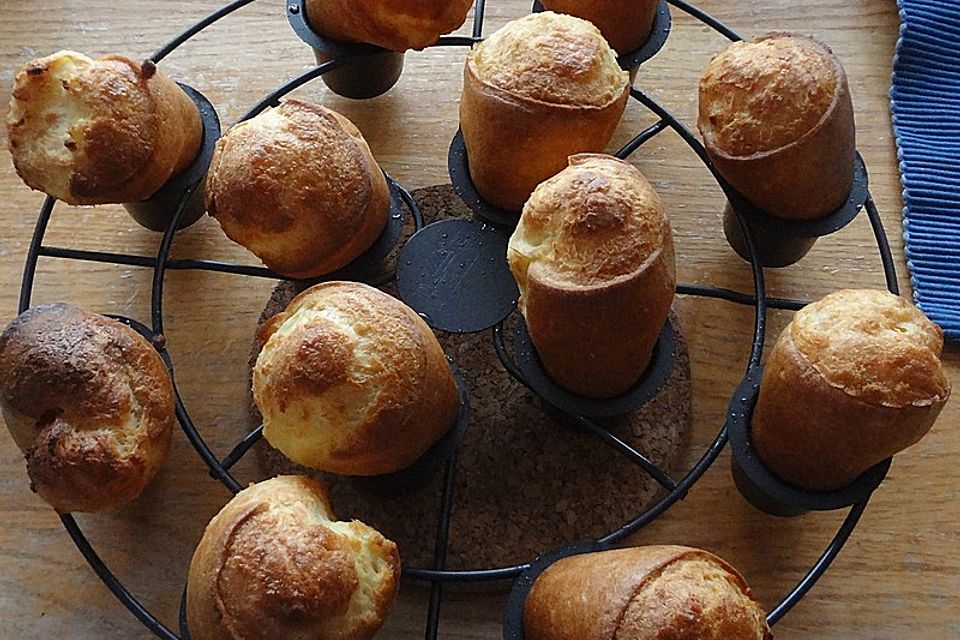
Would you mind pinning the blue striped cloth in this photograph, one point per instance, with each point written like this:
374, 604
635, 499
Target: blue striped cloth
925, 100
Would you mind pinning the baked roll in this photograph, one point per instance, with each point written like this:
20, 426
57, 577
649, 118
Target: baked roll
537, 91
352, 381
777, 122
276, 563
625, 25
594, 261
643, 593
298, 186
90, 403
852, 380
397, 25
99, 131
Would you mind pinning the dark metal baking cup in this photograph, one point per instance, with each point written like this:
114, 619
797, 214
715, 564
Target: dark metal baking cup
432, 462
761, 487
372, 262
659, 33
517, 600
156, 212
782, 242
454, 273
458, 165
367, 70
536, 378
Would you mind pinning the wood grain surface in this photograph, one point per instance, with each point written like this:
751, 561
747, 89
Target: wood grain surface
899, 576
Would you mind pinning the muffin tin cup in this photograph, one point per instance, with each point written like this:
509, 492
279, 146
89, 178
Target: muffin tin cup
458, 166
761, 488
367, 71
659, 32
157, 211
517, 600
427, 466
529, 370
781, 242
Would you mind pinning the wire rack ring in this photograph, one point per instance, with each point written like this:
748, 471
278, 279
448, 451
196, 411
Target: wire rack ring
437, 576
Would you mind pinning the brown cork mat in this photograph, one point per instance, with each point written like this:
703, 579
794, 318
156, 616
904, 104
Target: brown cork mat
526, 483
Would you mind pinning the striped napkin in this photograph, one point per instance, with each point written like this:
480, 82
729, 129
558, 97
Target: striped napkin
925, 100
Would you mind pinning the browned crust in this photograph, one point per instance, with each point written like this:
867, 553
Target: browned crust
143, 130
396, 24
595, 329
585, 597
806, 178
90, 403
402, 408
514, 143
815, 435
307, 198
269, 566
625, 25
598, 341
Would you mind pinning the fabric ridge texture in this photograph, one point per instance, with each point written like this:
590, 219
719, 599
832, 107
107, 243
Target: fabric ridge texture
925, 103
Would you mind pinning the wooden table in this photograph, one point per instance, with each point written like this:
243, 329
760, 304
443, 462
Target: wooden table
899, 576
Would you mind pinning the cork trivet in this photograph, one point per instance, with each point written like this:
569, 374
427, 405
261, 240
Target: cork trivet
526, 483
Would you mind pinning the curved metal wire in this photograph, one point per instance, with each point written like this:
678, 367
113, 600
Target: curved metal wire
196, 28
438, 576
116, 587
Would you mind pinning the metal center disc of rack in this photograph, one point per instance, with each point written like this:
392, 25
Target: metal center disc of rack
437, 575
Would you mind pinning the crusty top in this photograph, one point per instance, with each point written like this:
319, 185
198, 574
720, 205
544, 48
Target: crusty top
282, 566
89, 401
293, 185
657, 592
552, 58
695, 596
82, 129
596, 221
59, 362
763, 95
874, 346
392, 24
351, 380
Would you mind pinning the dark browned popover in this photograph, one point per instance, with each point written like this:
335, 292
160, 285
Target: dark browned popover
89, 402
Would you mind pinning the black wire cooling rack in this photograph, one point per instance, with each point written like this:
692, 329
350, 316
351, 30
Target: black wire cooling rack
436, 575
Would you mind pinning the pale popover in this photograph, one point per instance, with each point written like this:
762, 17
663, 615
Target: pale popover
643, 593
352, 381
625, 25
90, 403
397, 25
275, 563
537, 91
852, 380
594, 261
99, 131
777, 122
